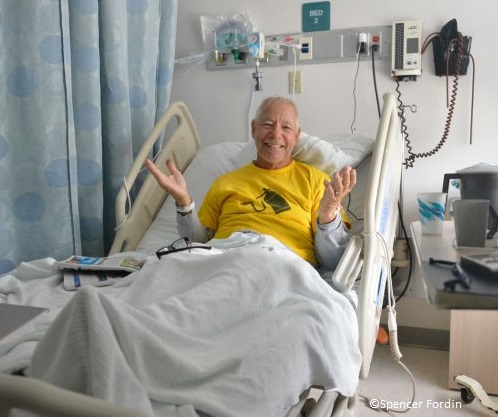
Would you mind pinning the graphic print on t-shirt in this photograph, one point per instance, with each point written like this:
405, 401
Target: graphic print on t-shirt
274, 199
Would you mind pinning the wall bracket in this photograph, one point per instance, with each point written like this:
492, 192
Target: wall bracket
330, 46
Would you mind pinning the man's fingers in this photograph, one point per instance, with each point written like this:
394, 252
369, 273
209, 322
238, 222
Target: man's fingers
152, 167
347, 178
353, 178
172, 167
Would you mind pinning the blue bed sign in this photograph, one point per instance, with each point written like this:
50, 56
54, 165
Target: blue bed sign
316, 16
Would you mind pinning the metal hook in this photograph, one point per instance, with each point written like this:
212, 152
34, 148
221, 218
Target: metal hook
258, 77
412, 107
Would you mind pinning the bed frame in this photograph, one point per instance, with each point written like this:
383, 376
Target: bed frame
369, 255
372, 250
381, 214
181, 147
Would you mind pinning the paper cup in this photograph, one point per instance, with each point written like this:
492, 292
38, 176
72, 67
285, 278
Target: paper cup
431, 209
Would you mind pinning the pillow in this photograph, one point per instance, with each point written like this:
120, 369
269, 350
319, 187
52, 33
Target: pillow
355, 202
328, 155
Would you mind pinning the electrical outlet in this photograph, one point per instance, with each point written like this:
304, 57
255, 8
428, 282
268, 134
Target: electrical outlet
295, 82
364, 43
376, 42
400, 256
306, 51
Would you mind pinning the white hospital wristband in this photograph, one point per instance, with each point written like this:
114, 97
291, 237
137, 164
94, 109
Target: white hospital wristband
186, 209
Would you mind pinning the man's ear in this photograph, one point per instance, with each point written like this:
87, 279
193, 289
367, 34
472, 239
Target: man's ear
298, 135
253, 127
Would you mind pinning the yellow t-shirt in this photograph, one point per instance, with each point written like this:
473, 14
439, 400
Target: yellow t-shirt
282, 203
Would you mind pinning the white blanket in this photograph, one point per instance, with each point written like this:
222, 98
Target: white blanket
36, 283
242, 333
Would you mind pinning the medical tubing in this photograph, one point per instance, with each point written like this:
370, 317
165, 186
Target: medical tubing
128, 204
349, 211
391, 321
128, 196
393, 334
195, 59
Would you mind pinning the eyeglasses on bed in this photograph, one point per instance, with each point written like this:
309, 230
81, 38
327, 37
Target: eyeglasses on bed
179, 245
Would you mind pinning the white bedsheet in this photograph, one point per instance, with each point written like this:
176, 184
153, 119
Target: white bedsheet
37, 283
241, 332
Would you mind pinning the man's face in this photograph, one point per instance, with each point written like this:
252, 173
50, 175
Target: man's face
276, 133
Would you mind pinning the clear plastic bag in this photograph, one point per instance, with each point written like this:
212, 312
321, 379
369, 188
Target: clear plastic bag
223, 33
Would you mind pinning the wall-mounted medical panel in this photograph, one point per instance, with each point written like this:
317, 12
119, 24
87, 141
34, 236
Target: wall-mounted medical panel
311, 48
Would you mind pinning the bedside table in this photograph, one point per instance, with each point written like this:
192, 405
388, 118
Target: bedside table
474, 311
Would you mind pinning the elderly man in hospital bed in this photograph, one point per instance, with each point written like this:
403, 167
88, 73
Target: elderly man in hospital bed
183, 337
274, 195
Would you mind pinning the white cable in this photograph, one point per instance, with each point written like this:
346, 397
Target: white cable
128, 196
294, 74
391, 320
354, 127
128, 201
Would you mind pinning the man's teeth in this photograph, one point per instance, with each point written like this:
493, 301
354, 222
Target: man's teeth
274, 145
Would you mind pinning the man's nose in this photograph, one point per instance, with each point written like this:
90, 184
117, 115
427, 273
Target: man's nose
277, 130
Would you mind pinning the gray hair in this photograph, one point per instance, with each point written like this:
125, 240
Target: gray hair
276, 99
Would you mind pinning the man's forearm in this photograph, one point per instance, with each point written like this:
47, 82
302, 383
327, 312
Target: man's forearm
331, 240
191, 227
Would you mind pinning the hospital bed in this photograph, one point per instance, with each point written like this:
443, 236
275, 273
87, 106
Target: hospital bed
149, 222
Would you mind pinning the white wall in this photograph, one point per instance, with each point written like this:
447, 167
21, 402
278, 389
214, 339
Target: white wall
219, 100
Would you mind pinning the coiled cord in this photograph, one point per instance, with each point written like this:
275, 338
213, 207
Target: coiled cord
408, 163
450, 101
393, 331
392, 324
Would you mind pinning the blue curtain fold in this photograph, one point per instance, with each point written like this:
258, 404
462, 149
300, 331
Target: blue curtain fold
82, 84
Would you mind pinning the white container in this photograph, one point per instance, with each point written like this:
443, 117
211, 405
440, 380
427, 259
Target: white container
431, 209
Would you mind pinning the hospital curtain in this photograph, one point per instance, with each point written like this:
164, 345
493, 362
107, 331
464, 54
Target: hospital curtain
82, 83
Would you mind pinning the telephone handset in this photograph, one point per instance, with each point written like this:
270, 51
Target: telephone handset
451, 50
451, 58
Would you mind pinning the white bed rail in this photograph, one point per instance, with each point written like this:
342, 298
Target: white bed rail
381, 218
181, 146
44, 399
